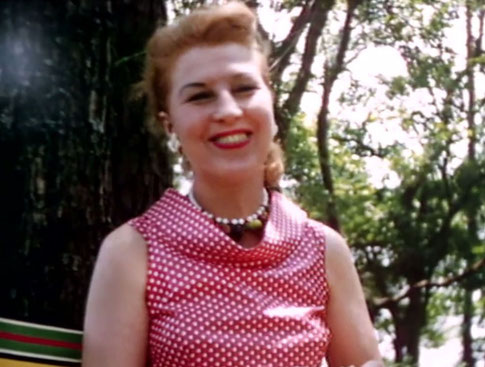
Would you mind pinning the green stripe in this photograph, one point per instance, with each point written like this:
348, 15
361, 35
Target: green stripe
41, 333
40, 349
48, 327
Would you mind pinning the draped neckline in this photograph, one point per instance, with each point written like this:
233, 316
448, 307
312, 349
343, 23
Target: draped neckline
186, 229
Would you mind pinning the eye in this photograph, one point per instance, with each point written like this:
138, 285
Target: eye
201, 96
246, 88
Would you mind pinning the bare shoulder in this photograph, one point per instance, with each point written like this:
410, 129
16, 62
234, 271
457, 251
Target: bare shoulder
122, 260
120, 270
123, 247
339, 263
337, 250
125, 237
353, 342
116, 321
334, 240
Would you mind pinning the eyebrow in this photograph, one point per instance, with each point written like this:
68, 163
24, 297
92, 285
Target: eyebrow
191, 85
236, 76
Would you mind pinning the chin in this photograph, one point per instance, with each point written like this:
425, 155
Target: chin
235, 174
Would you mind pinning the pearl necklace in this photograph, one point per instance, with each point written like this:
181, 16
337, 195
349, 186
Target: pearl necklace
235, 227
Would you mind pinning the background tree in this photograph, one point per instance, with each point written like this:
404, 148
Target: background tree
76, 156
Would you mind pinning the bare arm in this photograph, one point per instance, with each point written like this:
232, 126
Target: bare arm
116, 322
354, 341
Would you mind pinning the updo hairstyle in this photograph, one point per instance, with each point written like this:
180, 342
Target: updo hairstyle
233, 22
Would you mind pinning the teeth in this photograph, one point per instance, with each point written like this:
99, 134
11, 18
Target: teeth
231, 139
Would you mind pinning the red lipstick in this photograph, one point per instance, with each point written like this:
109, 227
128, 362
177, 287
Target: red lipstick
240, 138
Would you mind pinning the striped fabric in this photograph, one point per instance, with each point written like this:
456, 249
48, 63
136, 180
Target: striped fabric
24, 344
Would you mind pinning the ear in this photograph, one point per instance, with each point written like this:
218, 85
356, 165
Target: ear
163, 118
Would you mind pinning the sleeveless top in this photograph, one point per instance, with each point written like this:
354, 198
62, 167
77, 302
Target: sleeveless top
213, 303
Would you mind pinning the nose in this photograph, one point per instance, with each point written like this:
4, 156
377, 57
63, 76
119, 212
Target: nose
227, 108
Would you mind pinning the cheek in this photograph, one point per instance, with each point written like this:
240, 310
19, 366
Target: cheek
262, 104
189, 126
267, 102
265, 113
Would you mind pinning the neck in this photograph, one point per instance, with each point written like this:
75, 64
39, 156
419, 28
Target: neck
229, 201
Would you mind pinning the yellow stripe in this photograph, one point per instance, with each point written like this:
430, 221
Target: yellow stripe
12, 363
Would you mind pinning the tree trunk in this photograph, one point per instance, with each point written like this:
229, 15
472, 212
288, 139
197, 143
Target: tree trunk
80, 160
467, 340
290, 107
468, 309
408, 322
331, 73
282, 54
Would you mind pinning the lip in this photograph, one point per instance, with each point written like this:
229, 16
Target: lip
235, 145
230, 132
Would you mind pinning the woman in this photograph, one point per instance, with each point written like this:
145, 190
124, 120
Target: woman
233, 274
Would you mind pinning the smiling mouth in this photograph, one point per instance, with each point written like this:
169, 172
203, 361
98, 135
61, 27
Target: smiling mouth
231, 140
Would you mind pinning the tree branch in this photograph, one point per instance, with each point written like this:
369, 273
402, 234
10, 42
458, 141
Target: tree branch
330, 75
387, 302
319, 13
281, 55
361, 146
470, 45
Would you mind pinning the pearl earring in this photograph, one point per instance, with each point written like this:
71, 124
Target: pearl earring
173, 143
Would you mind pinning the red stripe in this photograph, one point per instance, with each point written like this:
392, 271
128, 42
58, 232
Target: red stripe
41, 341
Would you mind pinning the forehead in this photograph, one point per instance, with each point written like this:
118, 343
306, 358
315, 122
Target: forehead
210, 63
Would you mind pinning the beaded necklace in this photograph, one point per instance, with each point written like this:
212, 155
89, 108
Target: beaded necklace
235, 227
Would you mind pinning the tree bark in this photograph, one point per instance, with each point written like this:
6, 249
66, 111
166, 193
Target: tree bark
470, 46
80, 158
319, 12
408, 322
331, 72
282, 54
468, 309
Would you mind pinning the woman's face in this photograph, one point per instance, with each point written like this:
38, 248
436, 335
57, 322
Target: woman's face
222, 111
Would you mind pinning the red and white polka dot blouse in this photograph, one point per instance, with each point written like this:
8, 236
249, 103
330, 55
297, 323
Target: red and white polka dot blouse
213, 303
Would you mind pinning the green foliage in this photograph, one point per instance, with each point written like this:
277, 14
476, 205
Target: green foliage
289, 4
303, 169
439, 306
397, 87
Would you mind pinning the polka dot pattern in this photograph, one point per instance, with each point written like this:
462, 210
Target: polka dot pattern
213, 303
